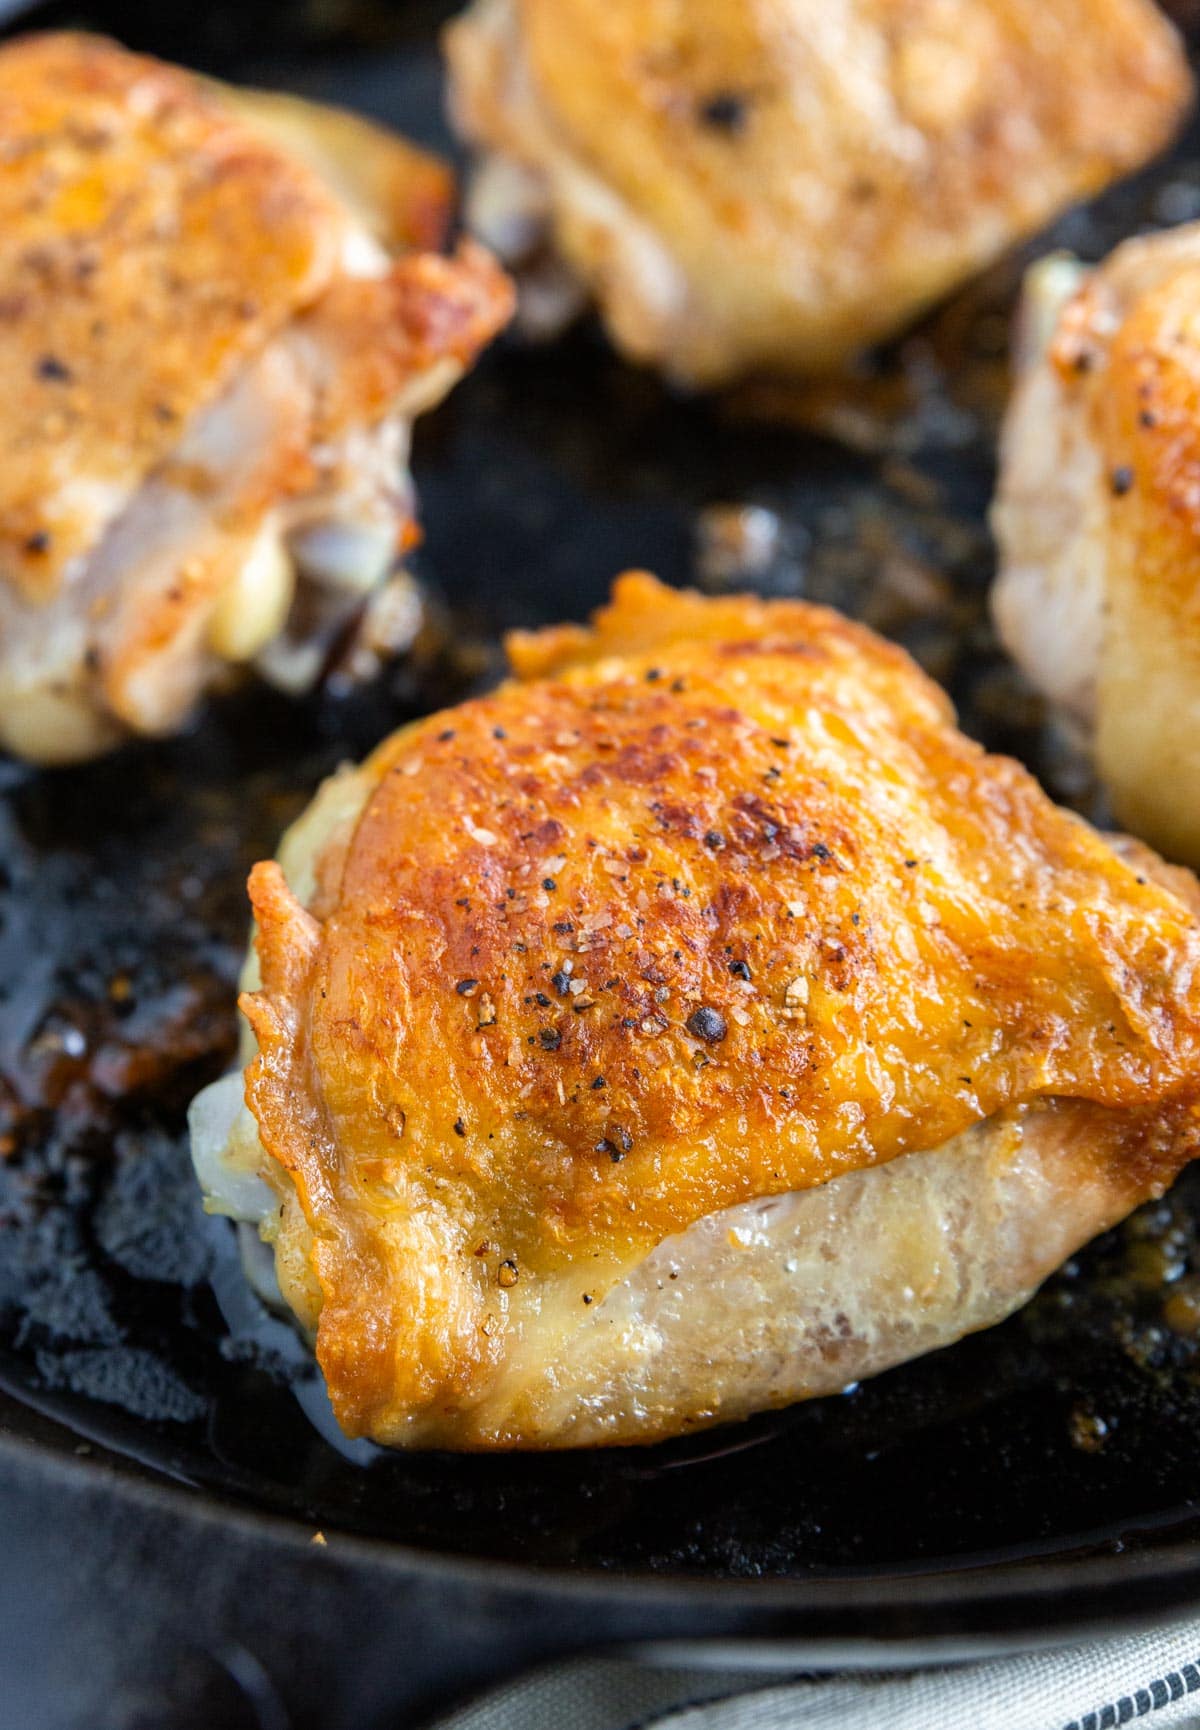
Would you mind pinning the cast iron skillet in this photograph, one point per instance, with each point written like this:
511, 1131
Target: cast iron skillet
1032, 1480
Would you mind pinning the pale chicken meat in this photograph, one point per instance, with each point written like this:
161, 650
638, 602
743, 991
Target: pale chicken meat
1097, 519
213, 342
697, 1023
770, 185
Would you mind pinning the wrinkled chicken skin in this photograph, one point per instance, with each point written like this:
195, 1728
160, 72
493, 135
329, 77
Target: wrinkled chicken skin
773, 184
1098, 520
698, 1023
208, 366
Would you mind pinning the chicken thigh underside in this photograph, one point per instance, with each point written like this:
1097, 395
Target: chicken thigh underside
696, 1024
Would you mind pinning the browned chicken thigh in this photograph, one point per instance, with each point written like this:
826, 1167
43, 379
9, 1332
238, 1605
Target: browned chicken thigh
773, 184
209, 363
698, 1023
1098, 519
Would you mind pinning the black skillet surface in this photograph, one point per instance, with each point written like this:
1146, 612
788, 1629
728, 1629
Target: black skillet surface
1044, 1473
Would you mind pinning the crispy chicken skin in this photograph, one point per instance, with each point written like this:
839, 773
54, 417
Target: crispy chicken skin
772, 184
208, 362
698, 1023
1098, 519
400, 194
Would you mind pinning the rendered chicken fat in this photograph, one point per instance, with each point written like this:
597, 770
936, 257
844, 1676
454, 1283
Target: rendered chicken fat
751, 185
698, 1023
209, 362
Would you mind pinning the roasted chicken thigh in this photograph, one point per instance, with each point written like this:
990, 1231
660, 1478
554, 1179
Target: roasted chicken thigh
772, 184
1098, 519
209, 362
697, 1023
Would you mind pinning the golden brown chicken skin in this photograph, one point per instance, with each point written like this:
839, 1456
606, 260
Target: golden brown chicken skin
190, 424
697, 1023
1098, 520
773, 184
